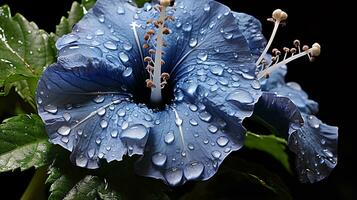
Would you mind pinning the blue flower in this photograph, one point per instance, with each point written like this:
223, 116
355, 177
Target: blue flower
171, 84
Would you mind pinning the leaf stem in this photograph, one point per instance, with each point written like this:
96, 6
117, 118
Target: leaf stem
35, 190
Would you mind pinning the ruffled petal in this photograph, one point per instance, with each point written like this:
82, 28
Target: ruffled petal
189, 143
313, 142
252, 31
87, 110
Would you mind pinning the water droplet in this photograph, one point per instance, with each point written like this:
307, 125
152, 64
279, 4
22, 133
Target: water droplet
191, 147
217, 70
193, 108
91, 153
255, 84
127, 46
64, 130
101, 155
51, 109
202, 56
314, 122
110, 45
323, 141
128, 72
81, 161
135, 132
193, 122
108, 148
123, 57
228, 36
39, 100
104, 124
212, 129
205, 116
114, 133
98, 141
120, 10
240, 96
99, 99
101, 18
328, 153
121, 112
67, 116
193, 42
216, 154
68, 39
89, 36
101, 112
206, 7
211, 24
99, 32
159, 159
169, 138
222, 141
173, 176
187, 27
193, 170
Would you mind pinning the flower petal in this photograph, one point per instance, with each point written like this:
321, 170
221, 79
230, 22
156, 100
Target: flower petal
189, 143
204, 32
314, 143
252, 31
87, 110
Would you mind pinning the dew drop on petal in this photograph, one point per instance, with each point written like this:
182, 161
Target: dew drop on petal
228, 36
67, 116
193, 122
81, 161
217, 70
313, 122
101, 112
159, 159
127, 46
123, 57
67, 39
216, 154
187, 27
205, 116
136, 132
206, 7
104, 124
120, 10
110, 45
99, 32
222, 141
121, 113
193, 42
114, 134
169, 137
240, 96
91, 153
212, 129
193, 170
128, 72
173, 176
99, 99
64, 130
193, 108
202, 56
191, 147
101, 18
51, 109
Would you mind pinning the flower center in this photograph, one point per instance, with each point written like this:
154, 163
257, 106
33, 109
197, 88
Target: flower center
154, 61
290, 54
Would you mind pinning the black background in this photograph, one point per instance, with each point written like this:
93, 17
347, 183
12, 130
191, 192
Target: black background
329, 80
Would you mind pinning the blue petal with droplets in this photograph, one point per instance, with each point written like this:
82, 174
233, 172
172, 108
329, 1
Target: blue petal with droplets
314, 143
252, 31
87, 110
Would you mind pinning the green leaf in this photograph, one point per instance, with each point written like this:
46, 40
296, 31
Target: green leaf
271, 144
74, 15
23, 143
111, 181
24, 52
88, 4
140, 3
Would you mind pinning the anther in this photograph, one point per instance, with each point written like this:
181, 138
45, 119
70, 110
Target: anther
166, 31
146, 37
315, 50
145, 46
150, 32
150, 84
147, 59
165, 3
170, 18
152, 51
279, 15
165, 76
292, 50
149, 21
162, 62
297, 43
305, 48
286, 49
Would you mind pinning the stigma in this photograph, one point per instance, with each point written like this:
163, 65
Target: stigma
286, 55
154, 61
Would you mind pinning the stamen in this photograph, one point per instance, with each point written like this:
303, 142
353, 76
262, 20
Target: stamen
278, 17
312, 52
156, 77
